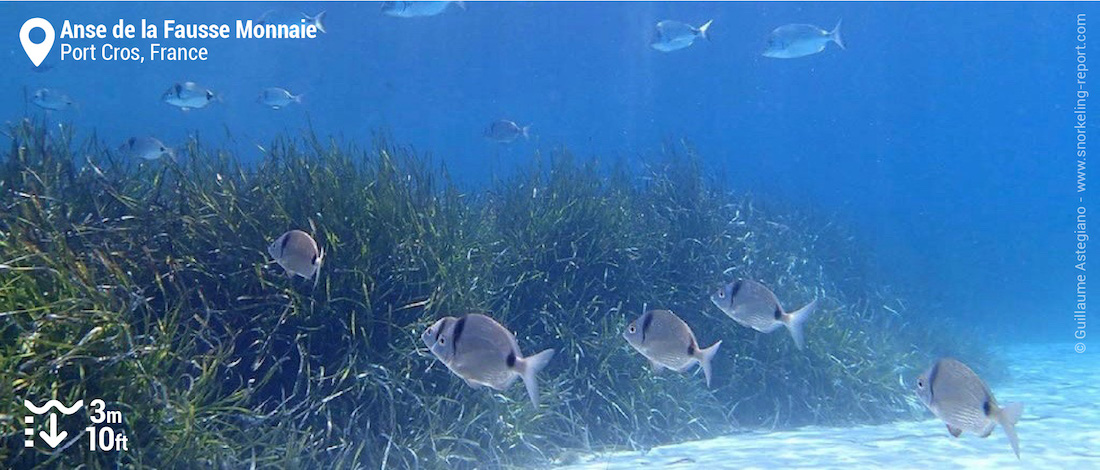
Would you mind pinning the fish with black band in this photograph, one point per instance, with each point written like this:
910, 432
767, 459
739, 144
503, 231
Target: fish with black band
668, 342
484, 353
956, 395
297, 252
751, 304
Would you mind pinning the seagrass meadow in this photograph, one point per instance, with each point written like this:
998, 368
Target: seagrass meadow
147, 284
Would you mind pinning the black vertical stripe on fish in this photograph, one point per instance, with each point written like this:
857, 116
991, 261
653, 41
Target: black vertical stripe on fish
442, 326
458, 333
645, 324
735, 289
987, 407
778, 312
313, 260
511, 359
179, 90
691, 350
282, 247
932, 380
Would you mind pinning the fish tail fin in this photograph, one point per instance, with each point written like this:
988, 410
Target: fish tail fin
796, 320
705, 356
528, 367
317, 20
527, 132
297, 98
835, 35
1008, 416
703, 30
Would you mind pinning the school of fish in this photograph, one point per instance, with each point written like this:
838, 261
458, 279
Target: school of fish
484, 353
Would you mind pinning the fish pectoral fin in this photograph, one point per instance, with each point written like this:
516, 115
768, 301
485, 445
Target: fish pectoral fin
955, 432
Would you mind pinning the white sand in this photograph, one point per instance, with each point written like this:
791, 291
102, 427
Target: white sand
1060, 429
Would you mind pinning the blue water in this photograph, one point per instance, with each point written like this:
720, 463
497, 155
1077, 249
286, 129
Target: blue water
942, 133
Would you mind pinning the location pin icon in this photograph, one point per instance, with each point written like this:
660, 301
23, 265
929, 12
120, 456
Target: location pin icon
37, 52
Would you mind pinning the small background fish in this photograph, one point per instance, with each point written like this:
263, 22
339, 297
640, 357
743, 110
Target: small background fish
672, 35
505, 131
290, 16
800, 40
277, 98
188, 95
415, 9
53, 100
147, 148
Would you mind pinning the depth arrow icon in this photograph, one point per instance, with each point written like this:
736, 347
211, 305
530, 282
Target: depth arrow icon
53, 438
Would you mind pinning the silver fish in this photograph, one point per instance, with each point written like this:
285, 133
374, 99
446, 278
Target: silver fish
415, 9
147, 148
484, 353
667, 341
277, 98
188, 95
297, 253
292, 17
673, 35
53, 100
505, 131
799, 40
751, 304
956, 395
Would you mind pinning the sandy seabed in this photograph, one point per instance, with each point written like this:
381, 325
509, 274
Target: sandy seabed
1060, 429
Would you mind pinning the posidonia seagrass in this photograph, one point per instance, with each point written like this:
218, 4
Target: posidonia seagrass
147, 284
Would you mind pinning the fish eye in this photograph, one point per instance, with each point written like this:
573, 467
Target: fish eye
920, 383
632, 329
721, 294
442, 340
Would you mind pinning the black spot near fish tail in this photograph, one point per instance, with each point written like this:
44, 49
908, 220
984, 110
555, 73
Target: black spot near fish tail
645, 324
778, 312
987, 407
691, 349
511, 359
461, 325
